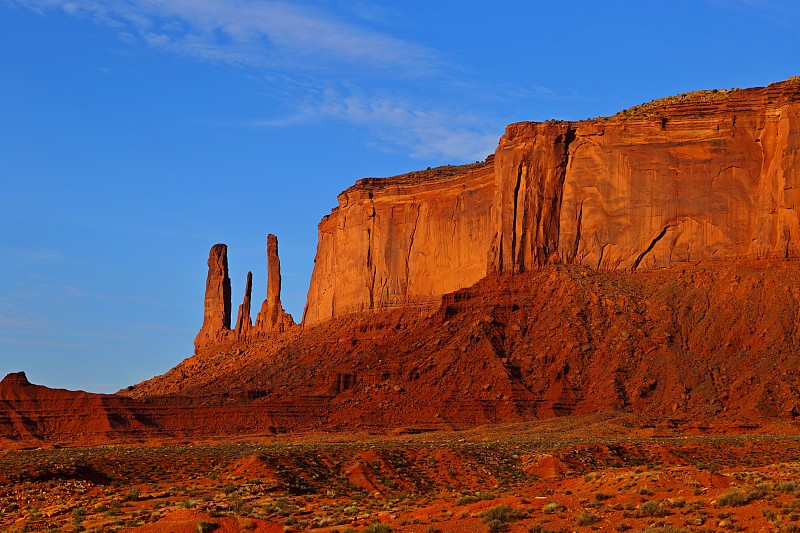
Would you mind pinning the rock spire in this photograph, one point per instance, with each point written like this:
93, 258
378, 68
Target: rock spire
217, 309
272, 316
217, 316
243, 322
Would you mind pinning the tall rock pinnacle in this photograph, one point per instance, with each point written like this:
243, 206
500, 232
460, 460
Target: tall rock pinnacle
217, 310
273, 279
243, 322
272, 316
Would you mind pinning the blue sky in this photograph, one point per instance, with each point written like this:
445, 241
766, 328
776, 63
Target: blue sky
136, 134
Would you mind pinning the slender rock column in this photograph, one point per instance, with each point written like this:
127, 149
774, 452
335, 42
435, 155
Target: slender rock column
274, 307
217, 309
272, 317
243, 322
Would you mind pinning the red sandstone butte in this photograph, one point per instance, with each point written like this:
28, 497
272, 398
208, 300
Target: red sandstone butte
706, 176
401, 240
530, 284
644, 263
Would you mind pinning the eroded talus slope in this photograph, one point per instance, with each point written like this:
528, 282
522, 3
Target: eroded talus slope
705, 343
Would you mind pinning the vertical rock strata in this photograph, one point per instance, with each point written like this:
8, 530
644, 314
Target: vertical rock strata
273, 279
529, 170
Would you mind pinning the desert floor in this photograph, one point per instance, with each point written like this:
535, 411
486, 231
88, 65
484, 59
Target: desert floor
601, 473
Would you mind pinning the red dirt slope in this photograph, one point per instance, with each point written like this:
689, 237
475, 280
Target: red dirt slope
715, 344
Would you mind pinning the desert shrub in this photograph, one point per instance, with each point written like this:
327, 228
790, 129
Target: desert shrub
496, 526
538, 528
553, 507
206, 527
377, 527
663, 529
785, 486
586, 519
739, 497
133, 494
467, 499
498, 518
676, 503
504, 513
652, 508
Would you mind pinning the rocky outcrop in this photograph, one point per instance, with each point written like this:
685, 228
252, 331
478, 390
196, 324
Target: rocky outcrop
402, 240
701, 345
217, 303
530, 168
576, 317
216, 327
272, 317
243, 322
15, 379
33, 414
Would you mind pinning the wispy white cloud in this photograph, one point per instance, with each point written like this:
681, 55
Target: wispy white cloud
426, 132
303, 47
398, 123
268, 33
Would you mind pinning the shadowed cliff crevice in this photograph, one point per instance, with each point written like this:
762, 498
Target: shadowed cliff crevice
514, 224
407, 277
576, 245
531, 165
650, 247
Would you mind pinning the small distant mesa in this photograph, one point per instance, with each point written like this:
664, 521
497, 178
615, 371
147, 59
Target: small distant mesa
217, 309
15, 379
